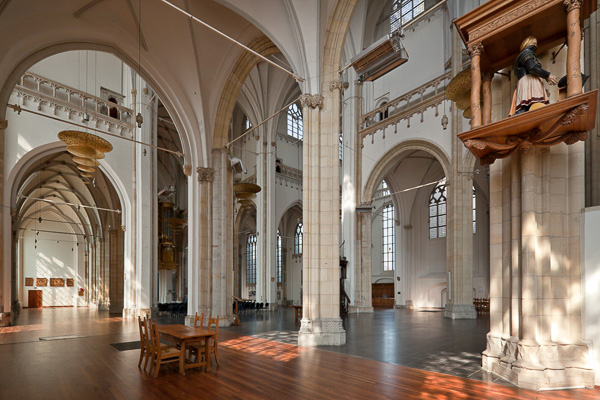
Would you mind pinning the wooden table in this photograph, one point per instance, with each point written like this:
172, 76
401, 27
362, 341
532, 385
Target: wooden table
183, 335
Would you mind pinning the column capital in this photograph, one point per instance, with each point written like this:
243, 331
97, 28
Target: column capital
205, 174
487, 76
335, 84
311, 100
571, 5
187, 170
475, 49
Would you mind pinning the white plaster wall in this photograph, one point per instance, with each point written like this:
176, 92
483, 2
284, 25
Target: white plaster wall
591, 281
56, 256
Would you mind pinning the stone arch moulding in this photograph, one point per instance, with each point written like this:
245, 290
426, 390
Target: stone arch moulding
295, 203
194, 150
238, 75
10, 187
378, 171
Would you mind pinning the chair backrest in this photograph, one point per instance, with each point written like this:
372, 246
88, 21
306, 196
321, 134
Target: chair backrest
142, 341
155, 338
147, 336
213, 321
198, 319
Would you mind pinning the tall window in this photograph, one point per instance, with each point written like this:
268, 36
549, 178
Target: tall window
474, 212
389, 238
247, 123
404, 11
437, 212
251, 260
294, 122
278, 257
298, 239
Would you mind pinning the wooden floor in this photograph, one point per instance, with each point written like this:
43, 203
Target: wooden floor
251, 368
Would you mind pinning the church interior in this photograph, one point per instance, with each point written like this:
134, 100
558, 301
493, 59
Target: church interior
374, 198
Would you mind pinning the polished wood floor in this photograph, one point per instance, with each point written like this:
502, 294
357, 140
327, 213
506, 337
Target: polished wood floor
87, 367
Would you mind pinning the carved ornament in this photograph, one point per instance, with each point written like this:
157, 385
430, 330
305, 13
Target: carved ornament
3, 124
571, 5
311, 100
333, 85
205, 174
475, 49
506, 18
187, 170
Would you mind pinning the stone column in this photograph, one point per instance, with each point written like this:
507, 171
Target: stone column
4, 273
222, 238
204, 293
459, 208
475, 51
572, 7
362, 287
321, 323
487, 97
535, 339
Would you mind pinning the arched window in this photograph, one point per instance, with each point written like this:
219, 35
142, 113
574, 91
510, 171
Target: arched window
389, 237
474, 211
404, 11
251, 260
437, 211
294, 122
278, 257
298, 239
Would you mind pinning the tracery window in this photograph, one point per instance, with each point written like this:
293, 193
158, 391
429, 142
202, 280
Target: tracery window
437, 211
389, 237
294, 122
404, 11
247, 124
278, 263
251, 260
298, 239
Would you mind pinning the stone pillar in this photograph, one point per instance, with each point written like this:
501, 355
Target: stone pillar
572, 7
459, 208
475, 51
487, 97
222, 238
204, 268
321, 323
535, 338
592, 143
5, 299
362, 287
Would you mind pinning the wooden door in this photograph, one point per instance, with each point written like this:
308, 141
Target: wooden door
35, 299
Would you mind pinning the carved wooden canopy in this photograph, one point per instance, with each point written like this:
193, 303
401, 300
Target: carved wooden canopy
501, 25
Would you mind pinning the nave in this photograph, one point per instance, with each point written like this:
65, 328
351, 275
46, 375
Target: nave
76, 360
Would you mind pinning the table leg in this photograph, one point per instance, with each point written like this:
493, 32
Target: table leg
182, 359
207, 351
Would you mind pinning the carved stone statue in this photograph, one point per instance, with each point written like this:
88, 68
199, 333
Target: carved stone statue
530, 74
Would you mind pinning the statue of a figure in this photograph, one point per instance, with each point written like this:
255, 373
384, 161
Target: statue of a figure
529, 72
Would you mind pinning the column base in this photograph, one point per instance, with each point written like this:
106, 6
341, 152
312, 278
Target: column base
360, 310
460, 311
5, 319
539, 366
321, 332
132, 313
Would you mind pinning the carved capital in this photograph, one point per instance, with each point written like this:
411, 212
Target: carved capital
187, 170
3, 124
13, 212
205, 174
311, 100
488, 76
475, 49
123, 228
336, 84
571, 5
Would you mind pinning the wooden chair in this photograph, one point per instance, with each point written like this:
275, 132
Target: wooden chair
198, 349
198, 319
161, 354
144, 350
146, 339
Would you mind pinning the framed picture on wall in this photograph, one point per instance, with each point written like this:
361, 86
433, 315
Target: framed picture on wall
57, 282
41, 282
28, 281
70, 282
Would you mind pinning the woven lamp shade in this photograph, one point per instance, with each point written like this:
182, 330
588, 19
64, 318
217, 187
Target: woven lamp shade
86, 161
80, 150
85, 168
86, 139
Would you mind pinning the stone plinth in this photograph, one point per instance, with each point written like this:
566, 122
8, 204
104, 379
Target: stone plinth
533, 365
460, 311
5, 319
321, 332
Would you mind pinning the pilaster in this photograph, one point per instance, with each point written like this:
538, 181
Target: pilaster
204, 273
362, 288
